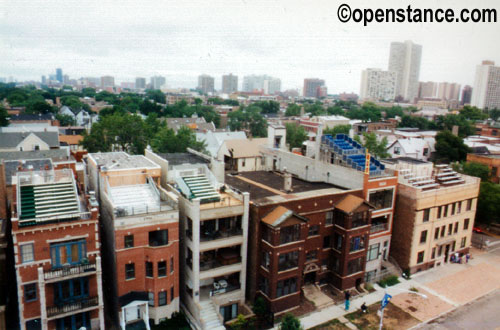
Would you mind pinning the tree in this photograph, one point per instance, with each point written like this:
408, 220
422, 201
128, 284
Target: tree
241, 323
156, 95
166, 141
292, 110
376, 148
450, 148
315, 109
335, 110
473, 169
473, 113
65, 120
290, 322
250, 119
268, 106
488, 203
339, 129
4, 115
465, 127
260, 309
295, 135
494, 114
39, 106
417, 122
88, 91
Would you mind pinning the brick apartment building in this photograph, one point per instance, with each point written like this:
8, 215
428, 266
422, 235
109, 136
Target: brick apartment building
434, 214
56, 251
140, 231
489, 128
490, 160
214, 233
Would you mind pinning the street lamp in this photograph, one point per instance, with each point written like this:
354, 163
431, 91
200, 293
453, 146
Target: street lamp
387, 298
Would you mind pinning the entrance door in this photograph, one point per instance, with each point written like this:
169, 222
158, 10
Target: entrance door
446, 252
310, 278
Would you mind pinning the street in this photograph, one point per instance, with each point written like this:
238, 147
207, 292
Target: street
480, 314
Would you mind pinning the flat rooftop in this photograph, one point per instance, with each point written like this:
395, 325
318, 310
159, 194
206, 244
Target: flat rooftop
183, 158
11, 167
262, 184
121, 160
405, 160
54, 154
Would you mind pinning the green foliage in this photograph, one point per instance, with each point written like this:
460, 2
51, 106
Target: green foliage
368, 112
260, 307
177, 321
488, 203
388, 281
335, 110
290, 322
74, 103
248, 119
292, 110
473, 169
368, 286
268, 106
241, 323
394, 111
106, 96
295, 135
473, 113
219, 101
465, 127
166, 141
376, 148
156, 95
450, 148
417, 122
339, 129
65, 120
494, 114
4, 115
413, 289
148, 107
39, 106
315, 109
181, 109
88, 91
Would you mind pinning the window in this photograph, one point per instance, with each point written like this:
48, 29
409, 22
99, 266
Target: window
469, 204
30, 292
335, 264
289, 234
171, 293
151, 296
70, 290
453, 246
312, 255
171, 265
436, 233
313, 230
162, 268
426, 151
466, 224
129, 241
27, 253
285, 287
494, 171
68, 253
288, 260
455, 230
129, 271
264, 285
162, 298
397, 150
427, 213
149, 269
35, 324
370, 276
440, 251
433, 253
459, 207
357, 243
445, 213
266, 233
354, 266
359, 219
329, 218
373, 251
337, 241
158, 237
266, 259
439, 212
443, 229
453, 209
463, 242
381, 199
420, 257
326, 242
450, 228
423, 236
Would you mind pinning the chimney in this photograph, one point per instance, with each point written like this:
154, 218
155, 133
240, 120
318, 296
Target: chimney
287, 181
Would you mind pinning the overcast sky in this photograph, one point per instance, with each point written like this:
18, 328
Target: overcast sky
181, 39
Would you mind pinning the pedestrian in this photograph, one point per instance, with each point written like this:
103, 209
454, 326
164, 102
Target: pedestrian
364, 308
347, 296
467, 257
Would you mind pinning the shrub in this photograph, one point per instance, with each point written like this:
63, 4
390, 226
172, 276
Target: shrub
414, 289
389, 281
368, 286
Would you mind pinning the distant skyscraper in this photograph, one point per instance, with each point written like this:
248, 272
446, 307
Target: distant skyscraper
427, 90
107, 81
206, 83
377, 84
449, 91
404, 59
44, 80
157, 82
312, 87
59, 75
486, 91
253, 83
229, 83
66, 79
466, 95
272, 86
140, 83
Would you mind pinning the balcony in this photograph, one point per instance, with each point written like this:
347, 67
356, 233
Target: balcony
69, 270
76, 306
216, 263
378, 227
224, 287
214, 235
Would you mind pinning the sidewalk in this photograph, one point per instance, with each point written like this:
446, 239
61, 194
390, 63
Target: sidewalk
447, 287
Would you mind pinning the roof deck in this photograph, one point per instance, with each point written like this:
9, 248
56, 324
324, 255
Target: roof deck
121, 161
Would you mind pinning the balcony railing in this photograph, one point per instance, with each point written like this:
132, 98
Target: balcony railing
213, 235
75, 306
69, 270
226, 289
379, 227
214, 263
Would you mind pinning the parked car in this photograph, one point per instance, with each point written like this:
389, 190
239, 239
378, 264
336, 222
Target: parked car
477, 230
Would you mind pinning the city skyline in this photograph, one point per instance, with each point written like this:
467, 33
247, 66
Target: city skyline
179, 41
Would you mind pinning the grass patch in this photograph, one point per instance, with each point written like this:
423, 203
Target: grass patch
389, 281
414, 289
